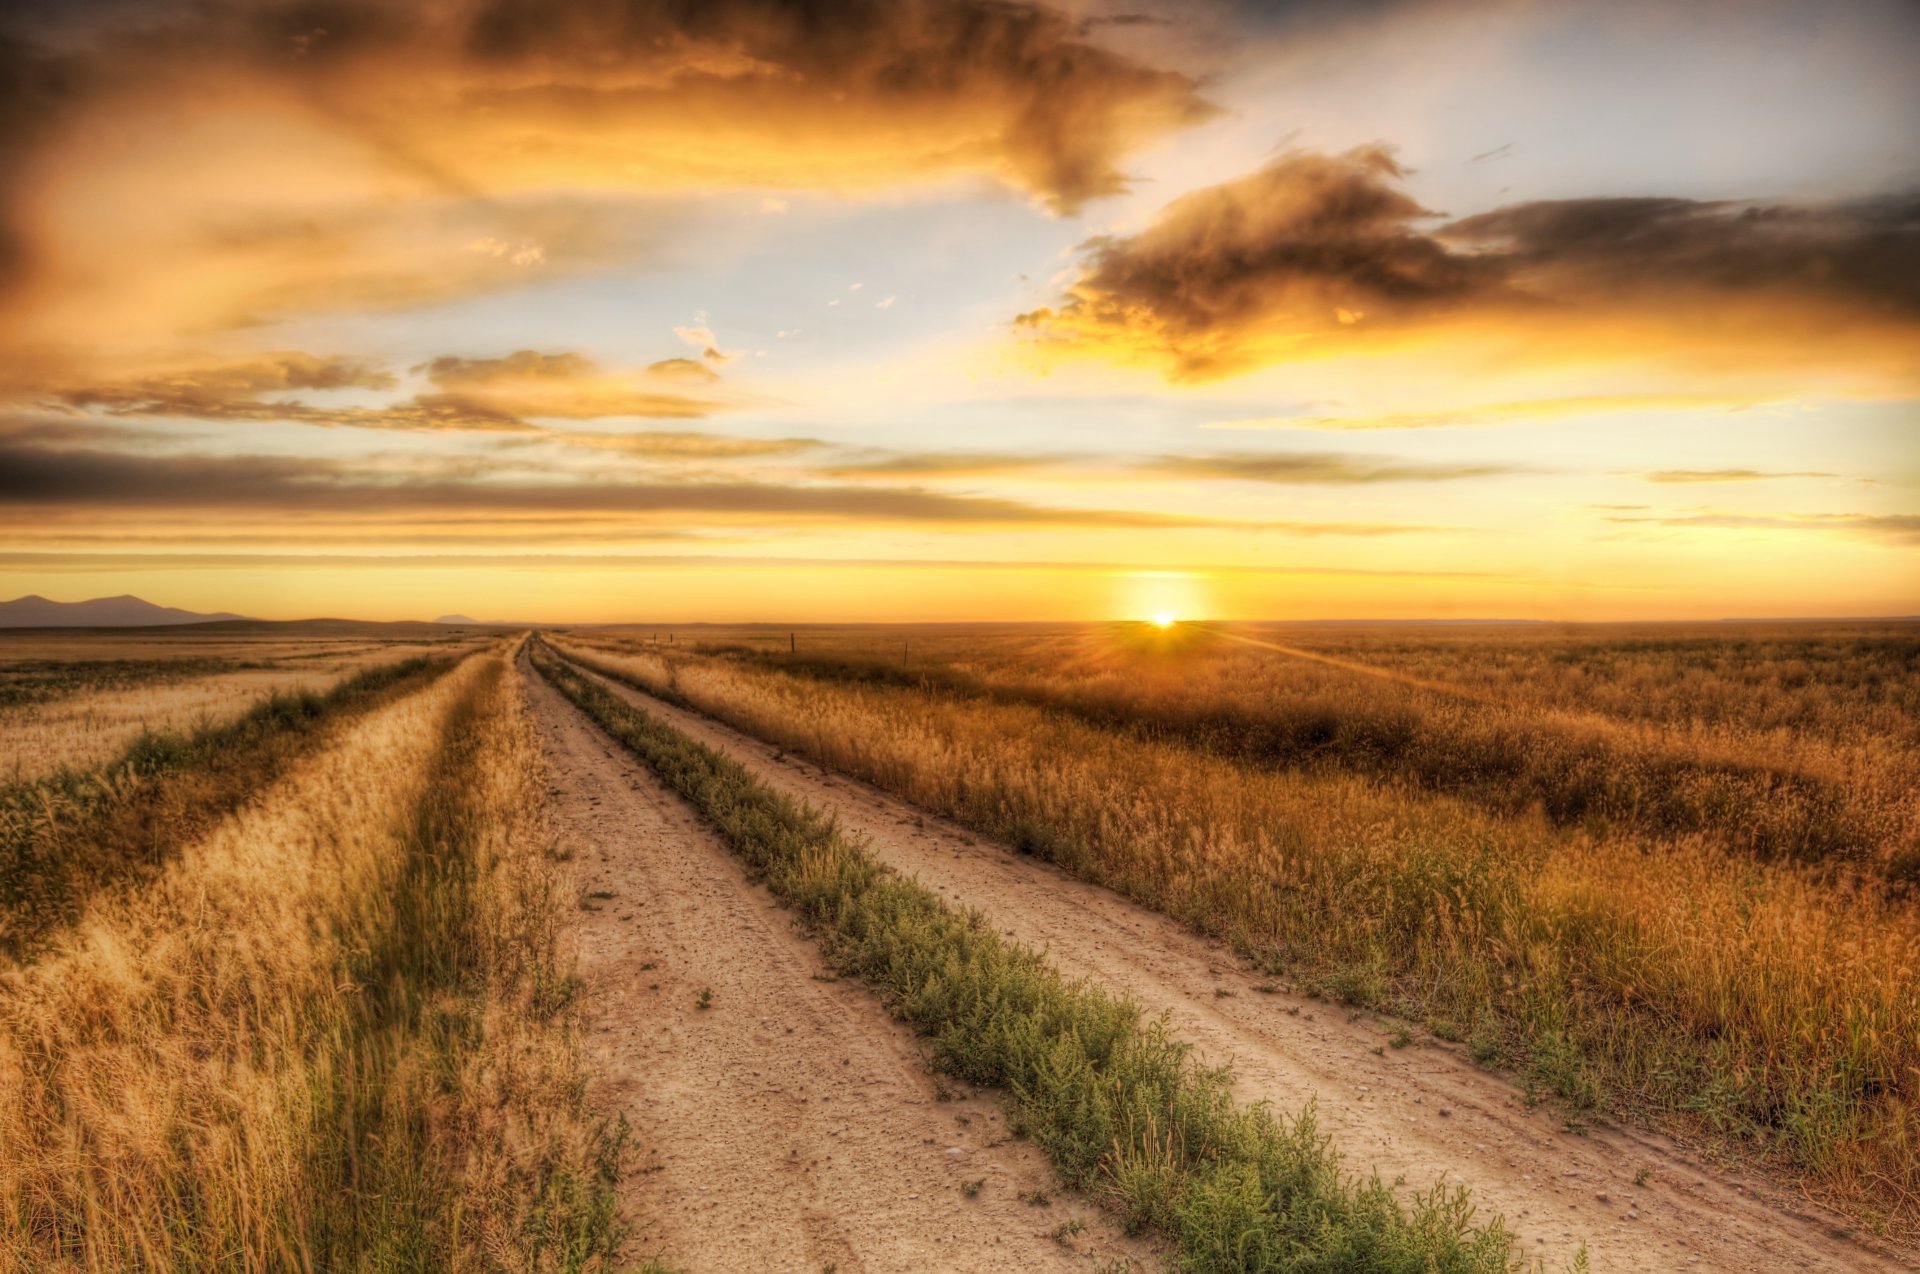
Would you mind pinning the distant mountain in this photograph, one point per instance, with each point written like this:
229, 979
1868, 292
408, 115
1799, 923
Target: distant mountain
125, 611
456, 619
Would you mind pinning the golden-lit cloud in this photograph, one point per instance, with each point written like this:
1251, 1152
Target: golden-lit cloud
1319, 468
39, 480
1501, 413
1895, 528
262, 389
1683, 476
491, 395
1317, 255
570, 386
943, 464
675, 445
286, 158
1303, 468
425, 276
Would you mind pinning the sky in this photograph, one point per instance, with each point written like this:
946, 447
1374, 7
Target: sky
734, 310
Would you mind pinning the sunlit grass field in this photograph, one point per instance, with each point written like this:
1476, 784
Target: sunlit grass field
1668, 873
76, 700
289, 990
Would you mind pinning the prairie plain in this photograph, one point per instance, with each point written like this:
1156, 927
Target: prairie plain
1122, 946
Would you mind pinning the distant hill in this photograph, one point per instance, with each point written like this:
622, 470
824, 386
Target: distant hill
125, 611
456, 619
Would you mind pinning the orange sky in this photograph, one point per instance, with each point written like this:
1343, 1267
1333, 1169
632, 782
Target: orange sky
947, 310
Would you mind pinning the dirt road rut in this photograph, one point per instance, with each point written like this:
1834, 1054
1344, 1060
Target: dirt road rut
791, 1124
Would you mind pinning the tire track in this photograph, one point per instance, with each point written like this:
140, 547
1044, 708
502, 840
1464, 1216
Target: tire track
792, 1124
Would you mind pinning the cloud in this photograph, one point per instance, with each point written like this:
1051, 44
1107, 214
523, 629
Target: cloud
1301, 468
685, 369
1279, 253
661, 444
570, 386
1501, 413
450, 372
1319, 254
361, 154
1896, 528
1863, 255
470, 394
260, 389
1319, 468
943, 464
87, 481
211, 391
1731, 475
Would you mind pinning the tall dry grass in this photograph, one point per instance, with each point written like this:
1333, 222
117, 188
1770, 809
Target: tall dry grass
1669, 978
74, 832
332, 1034
1783, 742
61, 712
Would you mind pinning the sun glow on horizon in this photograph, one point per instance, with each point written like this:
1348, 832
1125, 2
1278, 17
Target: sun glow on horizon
820, 344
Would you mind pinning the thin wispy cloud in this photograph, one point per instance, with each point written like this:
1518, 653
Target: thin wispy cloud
1688, 476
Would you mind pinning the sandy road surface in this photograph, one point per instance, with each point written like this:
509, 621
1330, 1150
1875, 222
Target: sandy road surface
1423, 1113
792, 1125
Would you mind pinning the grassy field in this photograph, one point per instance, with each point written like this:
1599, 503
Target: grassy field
326, 1026
1667, 873
75, 701
290, 987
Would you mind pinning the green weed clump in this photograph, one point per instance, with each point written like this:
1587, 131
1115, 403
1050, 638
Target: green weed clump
1119, 1106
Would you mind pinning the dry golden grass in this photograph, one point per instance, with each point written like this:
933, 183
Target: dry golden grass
1675, 976
331, 1034
86, 727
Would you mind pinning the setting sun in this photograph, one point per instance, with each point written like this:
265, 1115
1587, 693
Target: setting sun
1163, 620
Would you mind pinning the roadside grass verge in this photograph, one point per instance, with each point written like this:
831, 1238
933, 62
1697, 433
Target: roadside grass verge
65, 836
1120, 1108
334, 1034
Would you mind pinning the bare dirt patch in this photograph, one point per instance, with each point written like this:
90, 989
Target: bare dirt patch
783, 1121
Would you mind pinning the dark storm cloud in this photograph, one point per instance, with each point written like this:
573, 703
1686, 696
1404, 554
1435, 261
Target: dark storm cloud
1315, 247
1297, 239
1864, 255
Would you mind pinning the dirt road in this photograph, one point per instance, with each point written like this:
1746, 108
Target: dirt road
790, 1124
1423, 1113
